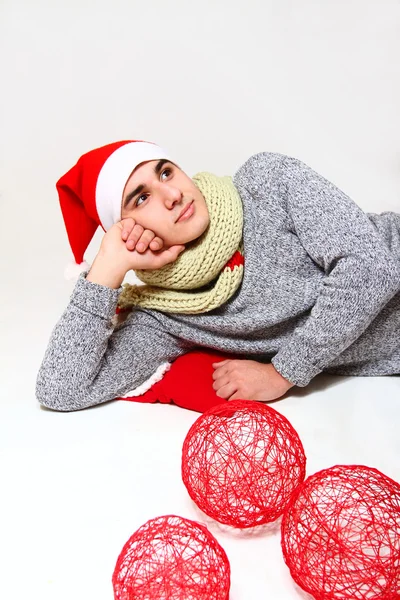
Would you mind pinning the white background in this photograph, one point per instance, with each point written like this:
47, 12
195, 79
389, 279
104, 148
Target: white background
213, 82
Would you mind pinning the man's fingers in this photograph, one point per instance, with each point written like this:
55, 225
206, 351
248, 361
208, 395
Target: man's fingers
237, 396
127, 226
219, 373
222, 369
134, 236
220, 363
145, 239
156, 244
220, 382
174, 250
168, 255
227, 391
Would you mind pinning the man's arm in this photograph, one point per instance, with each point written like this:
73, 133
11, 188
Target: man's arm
89, 360
361, 274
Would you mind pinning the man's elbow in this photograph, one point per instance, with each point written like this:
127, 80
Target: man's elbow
58, 398
57, 402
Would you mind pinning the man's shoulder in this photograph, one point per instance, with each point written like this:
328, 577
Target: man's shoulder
269, 159
264, 163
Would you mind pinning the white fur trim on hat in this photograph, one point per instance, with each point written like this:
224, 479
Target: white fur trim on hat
73, 270
115, 173
144, 387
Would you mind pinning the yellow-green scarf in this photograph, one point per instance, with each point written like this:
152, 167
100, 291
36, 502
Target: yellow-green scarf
207, 273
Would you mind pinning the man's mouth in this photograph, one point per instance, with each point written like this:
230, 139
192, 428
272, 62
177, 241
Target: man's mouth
186, 212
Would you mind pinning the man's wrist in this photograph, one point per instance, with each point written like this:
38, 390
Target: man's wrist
103, 273
284, 381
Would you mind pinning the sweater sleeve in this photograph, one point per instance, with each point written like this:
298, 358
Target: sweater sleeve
90, 359
361, 275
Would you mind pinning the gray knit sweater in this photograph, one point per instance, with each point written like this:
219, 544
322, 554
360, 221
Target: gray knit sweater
320, 292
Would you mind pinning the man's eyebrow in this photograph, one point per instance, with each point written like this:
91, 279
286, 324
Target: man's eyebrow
140, 188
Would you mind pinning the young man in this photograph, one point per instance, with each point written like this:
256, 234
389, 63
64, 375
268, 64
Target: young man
277, 266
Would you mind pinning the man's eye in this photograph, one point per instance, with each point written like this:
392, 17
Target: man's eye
142, 196
166, 172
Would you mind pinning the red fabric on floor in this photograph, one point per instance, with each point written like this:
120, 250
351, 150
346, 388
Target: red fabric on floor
188, 383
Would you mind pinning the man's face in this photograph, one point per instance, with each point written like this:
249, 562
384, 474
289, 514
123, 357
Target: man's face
155, 195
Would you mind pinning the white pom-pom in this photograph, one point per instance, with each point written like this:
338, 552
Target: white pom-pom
73, 270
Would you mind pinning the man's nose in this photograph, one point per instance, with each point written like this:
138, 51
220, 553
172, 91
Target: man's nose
172, 195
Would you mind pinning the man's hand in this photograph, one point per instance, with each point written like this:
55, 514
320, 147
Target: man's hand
248, 380
136, 237
116, 257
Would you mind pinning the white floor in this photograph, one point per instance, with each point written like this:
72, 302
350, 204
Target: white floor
75, 486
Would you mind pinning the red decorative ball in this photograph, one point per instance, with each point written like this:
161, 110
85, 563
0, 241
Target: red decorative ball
341, 535
241, 462
172, 558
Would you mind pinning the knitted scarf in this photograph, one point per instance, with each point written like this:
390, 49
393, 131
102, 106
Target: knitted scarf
209, 271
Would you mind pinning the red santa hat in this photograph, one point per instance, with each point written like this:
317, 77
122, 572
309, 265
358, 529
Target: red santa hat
91, 192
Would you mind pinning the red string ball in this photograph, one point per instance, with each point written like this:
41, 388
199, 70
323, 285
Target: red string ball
171, 558
341, 535
241, 462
